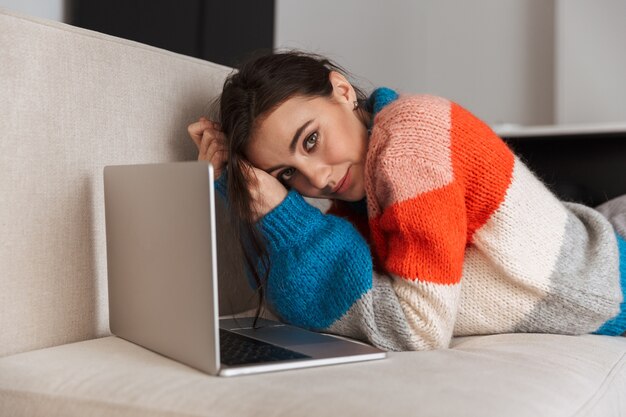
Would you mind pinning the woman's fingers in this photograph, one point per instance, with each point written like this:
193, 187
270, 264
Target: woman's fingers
267, 192
213, 149
207, 138
211, 143
196, 130
211, 139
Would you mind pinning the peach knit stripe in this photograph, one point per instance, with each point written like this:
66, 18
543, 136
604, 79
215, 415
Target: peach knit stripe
409, 151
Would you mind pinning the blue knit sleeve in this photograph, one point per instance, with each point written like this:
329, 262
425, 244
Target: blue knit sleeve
220, 185
380, 98
320, 264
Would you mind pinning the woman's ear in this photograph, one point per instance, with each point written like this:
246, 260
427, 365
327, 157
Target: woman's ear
343, 91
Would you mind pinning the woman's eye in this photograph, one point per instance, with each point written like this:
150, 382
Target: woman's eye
287, 174
310, 142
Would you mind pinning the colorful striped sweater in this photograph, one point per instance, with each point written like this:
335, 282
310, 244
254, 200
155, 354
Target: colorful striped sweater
465, 239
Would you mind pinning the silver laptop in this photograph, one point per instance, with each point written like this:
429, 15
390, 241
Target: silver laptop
169, 239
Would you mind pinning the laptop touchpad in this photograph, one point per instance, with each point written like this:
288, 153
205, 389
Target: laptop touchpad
286, 336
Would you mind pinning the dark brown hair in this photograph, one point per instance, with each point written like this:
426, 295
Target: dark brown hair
259, 86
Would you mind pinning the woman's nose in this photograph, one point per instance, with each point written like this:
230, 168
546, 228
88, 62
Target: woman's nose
318, 175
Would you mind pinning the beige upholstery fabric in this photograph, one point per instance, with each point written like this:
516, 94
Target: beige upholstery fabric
503, 375
72, 102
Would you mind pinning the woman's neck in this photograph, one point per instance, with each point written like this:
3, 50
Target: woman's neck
365, 117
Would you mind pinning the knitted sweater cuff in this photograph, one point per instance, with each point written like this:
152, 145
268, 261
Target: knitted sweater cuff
290, 222
221, 185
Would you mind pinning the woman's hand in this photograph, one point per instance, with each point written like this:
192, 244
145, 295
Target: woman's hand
266, 192
211, 143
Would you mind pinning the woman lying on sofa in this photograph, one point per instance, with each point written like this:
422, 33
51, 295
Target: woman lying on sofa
436, 228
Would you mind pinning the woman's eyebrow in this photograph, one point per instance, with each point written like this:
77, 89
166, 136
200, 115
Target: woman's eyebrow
293, 144
294, 141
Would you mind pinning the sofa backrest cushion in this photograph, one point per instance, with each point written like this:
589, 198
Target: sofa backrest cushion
72, 102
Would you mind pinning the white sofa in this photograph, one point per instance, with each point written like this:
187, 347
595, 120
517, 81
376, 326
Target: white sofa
74, 101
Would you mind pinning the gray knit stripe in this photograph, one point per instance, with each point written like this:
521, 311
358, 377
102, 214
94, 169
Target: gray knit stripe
584, 287
377, 317
615, 211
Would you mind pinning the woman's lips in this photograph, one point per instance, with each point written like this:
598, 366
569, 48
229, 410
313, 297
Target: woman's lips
344, 183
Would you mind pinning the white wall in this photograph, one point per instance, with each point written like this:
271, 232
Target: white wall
527, 62
591, 61
47, 9
494, 57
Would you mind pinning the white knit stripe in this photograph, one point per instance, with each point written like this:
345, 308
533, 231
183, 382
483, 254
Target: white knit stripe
491, 303
377, 318
430, 310
523, 237
585, 286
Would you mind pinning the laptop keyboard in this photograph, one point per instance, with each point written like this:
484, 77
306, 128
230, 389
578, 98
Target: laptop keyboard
236, 349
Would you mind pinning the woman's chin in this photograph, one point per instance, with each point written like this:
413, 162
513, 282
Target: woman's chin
353, 195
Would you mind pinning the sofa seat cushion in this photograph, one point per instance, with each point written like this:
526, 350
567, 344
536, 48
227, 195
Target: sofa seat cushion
512, 375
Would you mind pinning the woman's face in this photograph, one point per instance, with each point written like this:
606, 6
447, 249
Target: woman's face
315, 145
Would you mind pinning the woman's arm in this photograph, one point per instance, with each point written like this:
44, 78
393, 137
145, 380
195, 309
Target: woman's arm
322, 278
418, 214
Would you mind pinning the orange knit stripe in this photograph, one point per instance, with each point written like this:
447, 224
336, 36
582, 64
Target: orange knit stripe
424, 237
482, 163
